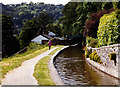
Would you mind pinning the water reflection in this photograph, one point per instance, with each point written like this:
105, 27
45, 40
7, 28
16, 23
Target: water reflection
74, 70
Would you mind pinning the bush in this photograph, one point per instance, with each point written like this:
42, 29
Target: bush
109, 29
95, 57
112, 56
90, 56
91, 25
92, 42
34, 46
87, 52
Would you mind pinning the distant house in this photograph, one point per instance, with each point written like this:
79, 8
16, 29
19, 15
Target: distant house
47, 36
39, 39
52, 34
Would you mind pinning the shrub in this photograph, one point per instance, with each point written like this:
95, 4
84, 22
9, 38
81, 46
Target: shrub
87, 52
92, 42
90, 56
33, 46
95, 57
93, 54
109, 29
112, 56
91, 25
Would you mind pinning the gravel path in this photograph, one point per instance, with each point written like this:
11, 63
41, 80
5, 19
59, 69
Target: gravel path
23, 75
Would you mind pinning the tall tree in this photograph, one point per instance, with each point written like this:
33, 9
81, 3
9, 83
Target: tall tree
10, 44
69, 17
91, 26
34, 27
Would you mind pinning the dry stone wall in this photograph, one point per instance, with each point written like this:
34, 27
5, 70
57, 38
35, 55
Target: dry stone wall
104, 51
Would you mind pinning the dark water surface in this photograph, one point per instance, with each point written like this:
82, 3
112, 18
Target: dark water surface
73, 69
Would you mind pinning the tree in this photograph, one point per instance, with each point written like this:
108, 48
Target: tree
107, 5
116, 5
26, 11
75, 16
109, 29
33, 28
92, 24
10, 44
54, 28
69, 18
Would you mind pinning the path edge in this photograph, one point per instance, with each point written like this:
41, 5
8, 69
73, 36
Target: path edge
53, 72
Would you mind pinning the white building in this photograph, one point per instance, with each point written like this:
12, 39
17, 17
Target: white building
39, 39
51, 34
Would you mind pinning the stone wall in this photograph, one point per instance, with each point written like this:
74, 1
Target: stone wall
104, 51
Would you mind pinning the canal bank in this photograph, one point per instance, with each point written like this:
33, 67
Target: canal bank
53, 72
71, 66
108, 66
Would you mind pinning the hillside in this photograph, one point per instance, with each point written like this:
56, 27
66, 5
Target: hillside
20, 13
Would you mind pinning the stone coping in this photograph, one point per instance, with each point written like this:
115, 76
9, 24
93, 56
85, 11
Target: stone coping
53, 72
104, 69
118, 45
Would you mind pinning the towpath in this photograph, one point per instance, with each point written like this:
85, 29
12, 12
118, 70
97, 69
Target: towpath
23, 75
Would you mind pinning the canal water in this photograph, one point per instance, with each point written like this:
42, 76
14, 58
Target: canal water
73, 69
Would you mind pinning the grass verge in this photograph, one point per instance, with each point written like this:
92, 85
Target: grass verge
11, 63
41, 71
54, 51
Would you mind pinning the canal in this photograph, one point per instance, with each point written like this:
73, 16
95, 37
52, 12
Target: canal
73, 69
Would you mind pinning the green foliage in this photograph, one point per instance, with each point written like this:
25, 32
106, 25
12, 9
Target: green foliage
33, 28
112, 56
15, 61
10, 44
92, 42
116, 5
95, 57
22, 12
107, 5
90, 56
87, 52
75, 16
34, 46
55, 27
69, 18
109, 29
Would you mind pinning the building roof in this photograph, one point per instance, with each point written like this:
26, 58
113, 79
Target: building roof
47, 36
39, 38
51, 34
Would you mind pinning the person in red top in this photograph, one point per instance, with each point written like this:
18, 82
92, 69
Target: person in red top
49, 43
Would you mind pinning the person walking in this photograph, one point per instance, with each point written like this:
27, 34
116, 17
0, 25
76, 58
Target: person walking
49, 43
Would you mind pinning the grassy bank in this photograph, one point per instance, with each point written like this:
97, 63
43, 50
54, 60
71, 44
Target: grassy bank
11, 63
54, 51
41, 71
